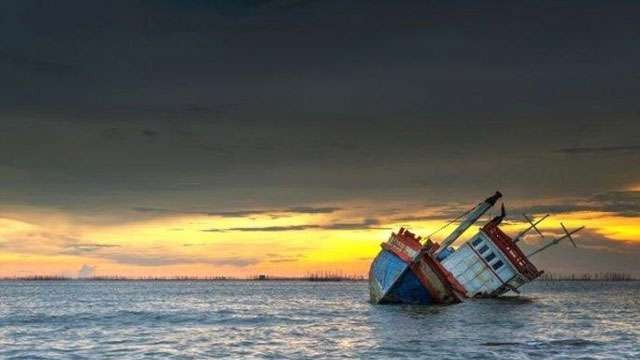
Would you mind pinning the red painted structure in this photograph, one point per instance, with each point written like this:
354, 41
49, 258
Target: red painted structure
511, 250
432, 275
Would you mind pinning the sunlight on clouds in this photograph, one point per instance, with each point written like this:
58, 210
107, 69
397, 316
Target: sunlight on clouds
619, 228
199, 245
10, 226
635, 187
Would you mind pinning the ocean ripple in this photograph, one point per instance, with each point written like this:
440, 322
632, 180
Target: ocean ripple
275, 320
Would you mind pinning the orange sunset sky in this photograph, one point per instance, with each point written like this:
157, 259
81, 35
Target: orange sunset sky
286, 242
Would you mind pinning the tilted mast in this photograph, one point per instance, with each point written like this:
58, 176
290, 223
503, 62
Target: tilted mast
567, 235
469, 220
532, 225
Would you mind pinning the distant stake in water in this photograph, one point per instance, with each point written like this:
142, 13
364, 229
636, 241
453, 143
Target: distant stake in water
489, 264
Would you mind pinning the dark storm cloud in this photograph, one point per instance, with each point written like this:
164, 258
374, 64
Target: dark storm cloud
272, 104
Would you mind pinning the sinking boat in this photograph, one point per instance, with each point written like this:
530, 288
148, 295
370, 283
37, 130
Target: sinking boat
411, 270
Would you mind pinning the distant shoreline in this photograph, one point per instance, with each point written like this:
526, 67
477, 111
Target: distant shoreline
183, 279
310, 278
600, 277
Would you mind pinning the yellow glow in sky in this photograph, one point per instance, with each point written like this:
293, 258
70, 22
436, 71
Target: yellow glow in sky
52, 243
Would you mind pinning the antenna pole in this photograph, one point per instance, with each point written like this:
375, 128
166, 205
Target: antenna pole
555, 241
531, 226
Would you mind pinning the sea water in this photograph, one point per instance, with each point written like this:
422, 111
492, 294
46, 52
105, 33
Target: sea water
272, 319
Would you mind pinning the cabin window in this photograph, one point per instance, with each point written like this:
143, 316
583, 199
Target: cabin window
497, 265
477, 241
483, 249
490, 257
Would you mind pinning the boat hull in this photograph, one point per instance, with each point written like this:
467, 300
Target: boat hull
391, 280
405, 271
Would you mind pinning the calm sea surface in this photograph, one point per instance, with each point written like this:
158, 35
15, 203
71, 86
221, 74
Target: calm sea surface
83, 319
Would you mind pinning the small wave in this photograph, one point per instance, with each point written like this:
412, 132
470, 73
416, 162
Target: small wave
551, 343
159, 318
573, 342
501, 343
514, 300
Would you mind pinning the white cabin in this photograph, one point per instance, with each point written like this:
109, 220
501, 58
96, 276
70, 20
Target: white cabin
482, 268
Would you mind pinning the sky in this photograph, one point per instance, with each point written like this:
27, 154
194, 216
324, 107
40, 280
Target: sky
284, 137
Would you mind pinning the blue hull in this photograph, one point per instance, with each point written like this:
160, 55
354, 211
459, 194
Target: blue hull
392, 281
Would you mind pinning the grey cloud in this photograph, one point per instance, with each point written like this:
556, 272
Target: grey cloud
620, 203
624, 203
278, 258
154, 210
216, 110
551, 208
113, 134
40, 242
363, 225
595, 253
283, 260
163, 260
269, 228
149, 133
37, 65
118, 134
410, 218
94, 245
590, 239
44, 242
86, 248
312, 210
329, 111
446, 214
242, 213
601, 149
368, 223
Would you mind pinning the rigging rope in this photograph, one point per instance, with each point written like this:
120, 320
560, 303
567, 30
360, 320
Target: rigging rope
449, 223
